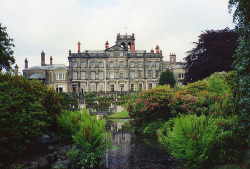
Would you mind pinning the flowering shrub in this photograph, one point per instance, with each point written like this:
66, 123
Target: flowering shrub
153, 104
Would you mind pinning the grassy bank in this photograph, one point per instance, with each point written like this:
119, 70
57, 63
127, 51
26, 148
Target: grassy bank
120, 115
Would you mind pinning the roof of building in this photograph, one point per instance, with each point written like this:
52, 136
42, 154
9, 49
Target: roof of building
49, 67
36, 76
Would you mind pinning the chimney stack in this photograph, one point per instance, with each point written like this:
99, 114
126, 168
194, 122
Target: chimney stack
132, 47
157, 49
51, 60
79, 44
42, 58
107, 44
26, 63
16, 70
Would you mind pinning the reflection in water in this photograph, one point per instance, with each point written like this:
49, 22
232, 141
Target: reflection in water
134, 151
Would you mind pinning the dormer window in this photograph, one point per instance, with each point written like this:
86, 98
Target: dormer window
121, 53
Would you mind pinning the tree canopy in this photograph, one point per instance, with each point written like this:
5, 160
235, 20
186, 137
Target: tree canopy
6, 52
241, 17
167, 77
212, 53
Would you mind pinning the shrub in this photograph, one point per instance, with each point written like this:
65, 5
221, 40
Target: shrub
91, 143
68, 123
153, 104
152, 128
191, 139
27, 109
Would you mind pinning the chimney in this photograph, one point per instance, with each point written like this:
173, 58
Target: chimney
16, 70
51, 60
79, 44
152, 50
26, 63
42, 58
157, 49
107, 44
132, 47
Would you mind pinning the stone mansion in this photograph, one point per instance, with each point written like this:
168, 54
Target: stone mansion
119, 68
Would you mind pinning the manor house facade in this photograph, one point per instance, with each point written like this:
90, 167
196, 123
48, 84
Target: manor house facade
119, 68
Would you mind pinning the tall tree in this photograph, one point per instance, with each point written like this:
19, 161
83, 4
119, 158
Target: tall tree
241, 18
167, 77
6, 52
212, 53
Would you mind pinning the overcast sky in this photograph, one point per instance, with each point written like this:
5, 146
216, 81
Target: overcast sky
55, 26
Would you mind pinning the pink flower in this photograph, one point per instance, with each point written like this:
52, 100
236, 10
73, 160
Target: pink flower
138, 101
144, 105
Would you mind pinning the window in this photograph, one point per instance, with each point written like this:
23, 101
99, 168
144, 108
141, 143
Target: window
121, 75
132, 64
92, 64
121, 64
181, 75
139, 64
112, 75
74, 64
112, 87
92, 75
100, 75
122, 87
132, 87
124, 151
60, 88
92, 87
140, 86
157, 64
139, 73
121, 53
83, 88
111, 64
111, 54
83, 64
60, 76
100, 87
132, 75
149, 73
100, 64
82, 75
157, 73
149, 64
74, 75
150, 85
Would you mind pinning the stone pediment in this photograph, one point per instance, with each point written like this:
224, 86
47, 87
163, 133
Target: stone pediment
115, 48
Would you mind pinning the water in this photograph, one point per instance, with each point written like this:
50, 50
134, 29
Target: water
134, 151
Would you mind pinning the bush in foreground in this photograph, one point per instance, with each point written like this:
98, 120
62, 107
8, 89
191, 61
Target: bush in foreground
27, 109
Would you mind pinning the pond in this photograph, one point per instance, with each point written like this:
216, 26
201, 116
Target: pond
134, 151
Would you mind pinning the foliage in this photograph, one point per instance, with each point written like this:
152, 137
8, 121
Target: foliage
91, 142
27, 109
68, 123
212, 53
152, 128
120, 115
241, 18
67, 101
6, 52
167, 77
191, 139
153, 104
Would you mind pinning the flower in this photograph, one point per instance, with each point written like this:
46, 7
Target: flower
138, 101
210, 112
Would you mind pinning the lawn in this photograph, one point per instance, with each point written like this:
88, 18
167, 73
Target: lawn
120, 115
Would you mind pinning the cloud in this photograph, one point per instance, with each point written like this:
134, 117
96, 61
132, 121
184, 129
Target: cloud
56, 26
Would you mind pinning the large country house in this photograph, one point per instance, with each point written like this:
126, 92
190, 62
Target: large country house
116, 69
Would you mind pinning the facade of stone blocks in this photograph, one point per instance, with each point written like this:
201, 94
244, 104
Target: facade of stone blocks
119, 68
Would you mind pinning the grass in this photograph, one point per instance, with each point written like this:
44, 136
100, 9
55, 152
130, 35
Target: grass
120, 115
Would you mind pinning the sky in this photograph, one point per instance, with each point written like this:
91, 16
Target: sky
55, 26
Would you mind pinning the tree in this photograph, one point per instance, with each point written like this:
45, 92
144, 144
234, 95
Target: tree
167, 77
241, 65
212, 53
6, 52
